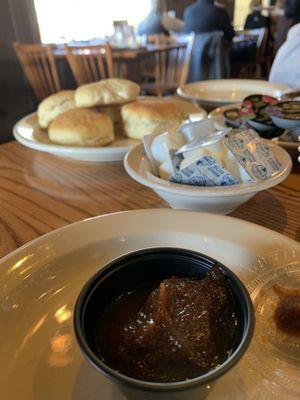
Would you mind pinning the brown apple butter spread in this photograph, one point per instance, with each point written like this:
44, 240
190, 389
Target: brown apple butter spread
169, 331
287, 312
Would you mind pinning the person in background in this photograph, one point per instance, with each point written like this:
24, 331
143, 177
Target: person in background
292, 11
171, 23
282, 26
220, 4
286, 66
152, 24
205, 16
256, 20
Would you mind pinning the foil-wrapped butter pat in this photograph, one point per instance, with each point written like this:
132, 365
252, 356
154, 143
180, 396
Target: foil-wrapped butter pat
206, 171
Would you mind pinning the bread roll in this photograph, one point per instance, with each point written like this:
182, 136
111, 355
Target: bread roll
106, 92
185, 107
144, 117
114, 112
82, 127
54, 105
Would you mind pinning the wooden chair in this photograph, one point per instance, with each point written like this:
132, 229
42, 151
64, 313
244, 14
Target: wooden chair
90, 63
170, 62
255, 68
261, 36
39, 67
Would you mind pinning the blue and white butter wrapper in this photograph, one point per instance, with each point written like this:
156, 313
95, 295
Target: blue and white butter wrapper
253, 154
206, 171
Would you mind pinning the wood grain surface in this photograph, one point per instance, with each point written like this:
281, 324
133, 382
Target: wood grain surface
40, 192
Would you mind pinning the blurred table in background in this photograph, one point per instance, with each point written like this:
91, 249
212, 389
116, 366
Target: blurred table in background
131, 57
40, 192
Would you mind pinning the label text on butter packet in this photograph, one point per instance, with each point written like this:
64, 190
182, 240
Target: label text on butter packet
206, 171
253, 154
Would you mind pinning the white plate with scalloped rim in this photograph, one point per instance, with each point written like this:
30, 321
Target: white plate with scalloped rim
40, 359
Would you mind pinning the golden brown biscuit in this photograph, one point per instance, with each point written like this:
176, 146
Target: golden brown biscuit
54, 105
82, 127
145, 117
106, 92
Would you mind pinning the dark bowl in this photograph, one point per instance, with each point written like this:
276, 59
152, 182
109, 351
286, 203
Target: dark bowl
127, 272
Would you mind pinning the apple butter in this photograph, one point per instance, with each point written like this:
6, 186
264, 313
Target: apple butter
169, 331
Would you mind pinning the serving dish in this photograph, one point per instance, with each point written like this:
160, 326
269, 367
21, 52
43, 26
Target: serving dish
219, 92
216, 199
27, 132
286, 140
286, 114
40, 282
137, 269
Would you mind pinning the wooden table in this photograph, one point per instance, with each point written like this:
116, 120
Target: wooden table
130, 58
39, 193
125, 54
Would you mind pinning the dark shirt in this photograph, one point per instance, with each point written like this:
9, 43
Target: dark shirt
151, 25
256, 20
204, 16
292, 9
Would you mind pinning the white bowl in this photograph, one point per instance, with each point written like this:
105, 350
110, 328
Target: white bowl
219, 200
285, 123
259, 126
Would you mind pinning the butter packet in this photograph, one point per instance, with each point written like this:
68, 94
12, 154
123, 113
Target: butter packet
206, 171
176, 159
147, 142
253, 154
183, 160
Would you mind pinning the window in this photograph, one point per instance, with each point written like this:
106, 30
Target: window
242, 9
66, 20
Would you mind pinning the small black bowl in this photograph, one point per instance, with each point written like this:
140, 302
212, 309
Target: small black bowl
126, 273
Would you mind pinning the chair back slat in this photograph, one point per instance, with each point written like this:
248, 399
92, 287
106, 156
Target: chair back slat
46, 71
260, 35
171, 59
39, 67
90, 63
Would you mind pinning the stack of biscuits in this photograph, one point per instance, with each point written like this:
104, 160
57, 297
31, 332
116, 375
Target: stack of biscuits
93, 113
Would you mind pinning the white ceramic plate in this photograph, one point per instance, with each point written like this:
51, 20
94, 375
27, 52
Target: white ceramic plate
229, 91
40, 282
215, 199
219, 121
218, 115
27, 132
284, 141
